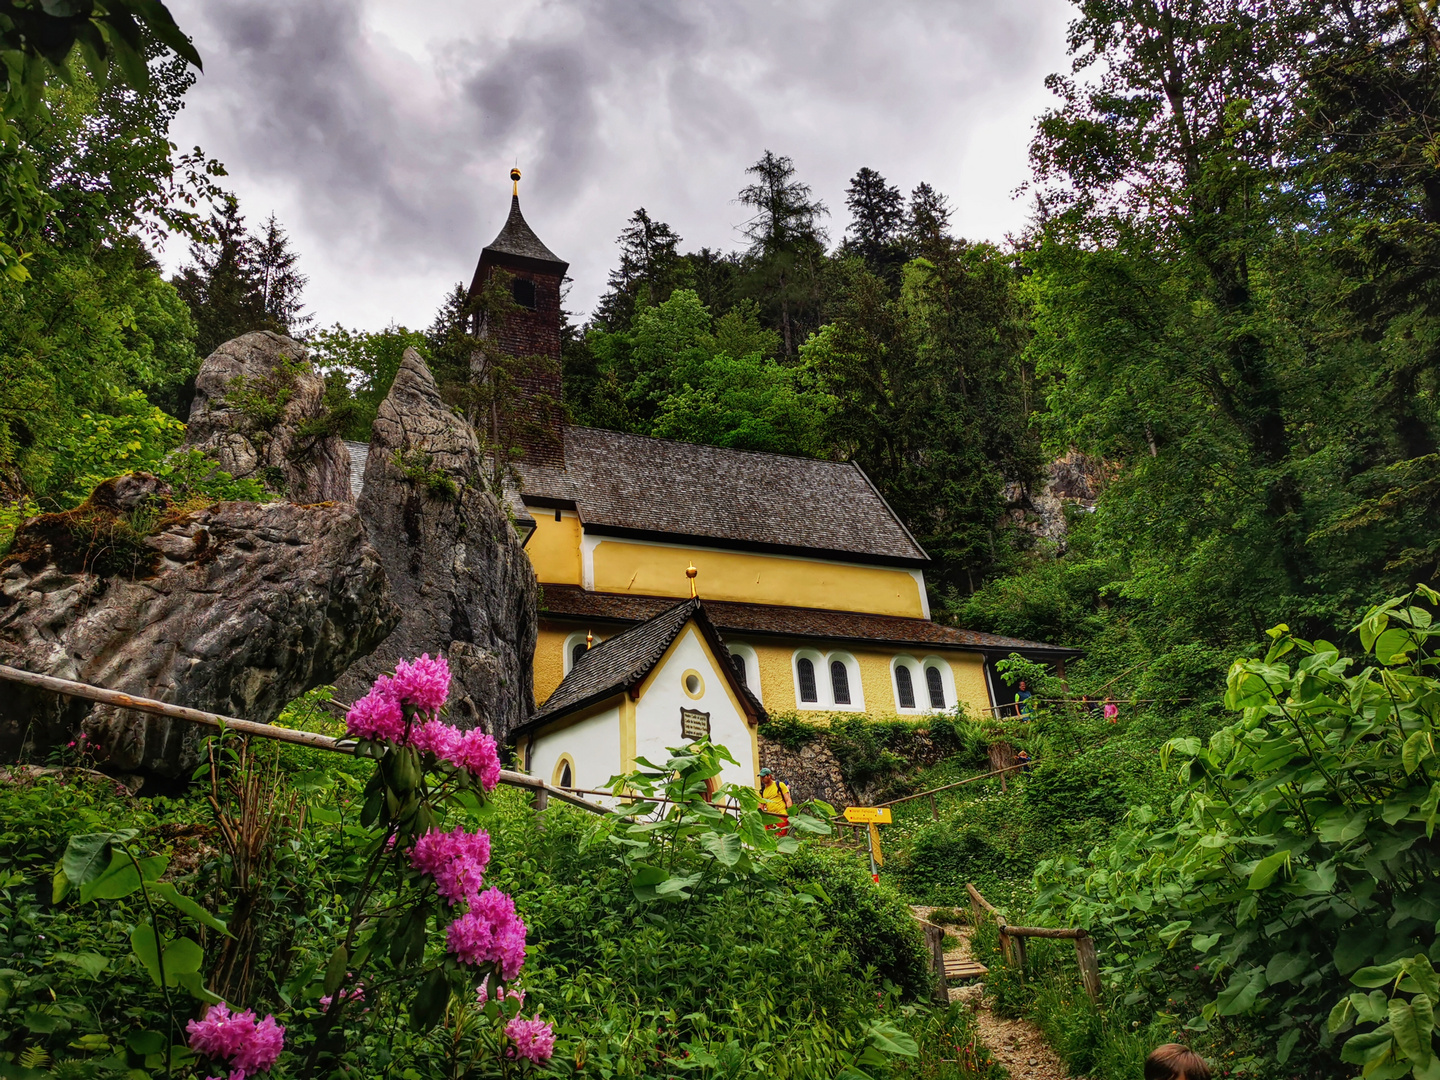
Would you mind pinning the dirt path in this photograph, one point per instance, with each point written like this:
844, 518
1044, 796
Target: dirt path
1015, 1044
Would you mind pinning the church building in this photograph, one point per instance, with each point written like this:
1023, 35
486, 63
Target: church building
810, 580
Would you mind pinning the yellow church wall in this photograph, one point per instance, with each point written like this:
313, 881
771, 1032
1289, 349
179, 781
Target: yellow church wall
554, 547
659, 570
775, 659
773, 662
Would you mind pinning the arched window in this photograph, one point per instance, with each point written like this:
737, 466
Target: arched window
840, 682
806, 671
577, 651
739, 666
905, 686
566, 779
524, 293
936, 687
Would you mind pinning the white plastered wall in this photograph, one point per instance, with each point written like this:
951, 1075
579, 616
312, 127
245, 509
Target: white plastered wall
657, 714
593, 744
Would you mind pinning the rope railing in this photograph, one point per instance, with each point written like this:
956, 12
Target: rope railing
311, 739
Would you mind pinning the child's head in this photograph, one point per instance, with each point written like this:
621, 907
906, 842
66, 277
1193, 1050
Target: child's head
1175, 1062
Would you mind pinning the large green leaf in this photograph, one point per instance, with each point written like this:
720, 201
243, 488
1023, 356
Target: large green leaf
1266, 869
123, 877
886, 1037
1240, 994
188, 907
428, 1008
1285, 966
85, 855
182, 957
726, 847
336, 968
142, 940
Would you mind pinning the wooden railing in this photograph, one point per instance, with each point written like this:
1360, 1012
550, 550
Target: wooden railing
932, 792
1012, 941
543, 792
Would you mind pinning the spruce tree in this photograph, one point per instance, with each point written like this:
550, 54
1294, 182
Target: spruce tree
279, 283
878, 216
927, 225
646, 274
221, 284
787, 243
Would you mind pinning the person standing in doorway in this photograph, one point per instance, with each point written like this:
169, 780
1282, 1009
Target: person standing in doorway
1022, 701
775, 799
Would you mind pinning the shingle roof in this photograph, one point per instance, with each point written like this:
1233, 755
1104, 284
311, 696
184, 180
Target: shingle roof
632, 484
518, 240
622, 662
764, 619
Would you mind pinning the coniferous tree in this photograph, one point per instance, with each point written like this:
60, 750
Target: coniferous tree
787, 243
220, 285
927, 224
280, 284
877, 218
647, 270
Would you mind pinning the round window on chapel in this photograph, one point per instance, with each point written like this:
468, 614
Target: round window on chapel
693, 684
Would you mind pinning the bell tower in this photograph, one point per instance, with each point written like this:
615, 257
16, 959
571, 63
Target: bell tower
531, 328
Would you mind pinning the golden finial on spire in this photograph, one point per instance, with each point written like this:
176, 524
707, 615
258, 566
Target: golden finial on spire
691, 573
589, 639
515, 176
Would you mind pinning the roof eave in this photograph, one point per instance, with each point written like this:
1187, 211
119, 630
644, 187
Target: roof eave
626, 532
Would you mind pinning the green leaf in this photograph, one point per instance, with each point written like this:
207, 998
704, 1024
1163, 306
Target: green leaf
1406, 1032
192, 982
1285, 1045
188, 907
1367, 1046
1203, 943
182, 956
59, 885
1378, 976
1340, 1018
145, 1042
93, 964
1392, 646
1417, 748
120, 879
428, 1008
1420, 978
1240, 994
726, 847
142, 940
84, 859
336, 968
886, 1037
1285, 966
1430, 809
1266, 869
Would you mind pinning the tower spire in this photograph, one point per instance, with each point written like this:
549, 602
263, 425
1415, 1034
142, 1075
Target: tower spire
515, 177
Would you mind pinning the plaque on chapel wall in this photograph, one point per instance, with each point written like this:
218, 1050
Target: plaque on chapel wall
694, 724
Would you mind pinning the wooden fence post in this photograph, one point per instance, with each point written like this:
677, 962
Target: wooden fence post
1089, 966
935, 940
934, 812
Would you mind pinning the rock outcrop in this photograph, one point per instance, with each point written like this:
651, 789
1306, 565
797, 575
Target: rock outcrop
460, 576
1074, 480
235, 609
259, 410
811, 770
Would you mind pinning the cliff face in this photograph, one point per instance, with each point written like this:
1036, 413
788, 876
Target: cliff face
259, 410
235, 609
463, 582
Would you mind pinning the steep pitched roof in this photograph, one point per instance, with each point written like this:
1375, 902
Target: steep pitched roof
568, 601
624, 661
633, 485
516, 245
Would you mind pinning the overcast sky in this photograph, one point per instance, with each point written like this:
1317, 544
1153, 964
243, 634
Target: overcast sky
381, 132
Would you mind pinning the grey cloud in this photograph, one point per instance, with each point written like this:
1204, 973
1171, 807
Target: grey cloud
384, 143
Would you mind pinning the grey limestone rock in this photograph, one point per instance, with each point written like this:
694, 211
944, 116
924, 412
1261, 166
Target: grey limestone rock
246, 606
461, 578
254, 397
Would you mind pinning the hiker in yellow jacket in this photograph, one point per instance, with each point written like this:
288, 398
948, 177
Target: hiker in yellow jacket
775, 799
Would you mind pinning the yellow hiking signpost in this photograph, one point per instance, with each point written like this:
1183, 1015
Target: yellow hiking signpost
874, 816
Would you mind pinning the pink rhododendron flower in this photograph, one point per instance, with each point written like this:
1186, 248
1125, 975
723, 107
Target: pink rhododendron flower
423, 683
377, 715
533, 1039
357, 994
475, 752
483, 994
436, 737
490, 933
456, 860
246, 1044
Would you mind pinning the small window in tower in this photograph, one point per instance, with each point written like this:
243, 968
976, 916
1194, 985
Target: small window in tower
739, 666
566, 779
807, 679
840, 682
524, 292
935, 686
905, 686
577, 651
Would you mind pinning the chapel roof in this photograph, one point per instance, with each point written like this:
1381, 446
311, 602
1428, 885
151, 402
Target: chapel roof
731, 617
635, 485
623, 662
517, 246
